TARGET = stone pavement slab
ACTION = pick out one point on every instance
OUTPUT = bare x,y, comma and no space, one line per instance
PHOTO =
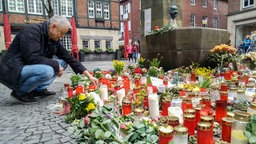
37,123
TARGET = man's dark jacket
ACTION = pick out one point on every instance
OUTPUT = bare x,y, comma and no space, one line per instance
32,46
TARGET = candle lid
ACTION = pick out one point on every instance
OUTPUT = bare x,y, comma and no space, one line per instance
206,119
200,105
233,88
191,94
197,108
227,120
203,126
173,118
253,105
242,116
165,130
206,98
224,84
180,130
126,101
189,116
230,114
138,111
240,91
186,100
189,111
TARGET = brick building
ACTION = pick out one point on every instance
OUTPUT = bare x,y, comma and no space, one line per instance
241,19
97,21
130,11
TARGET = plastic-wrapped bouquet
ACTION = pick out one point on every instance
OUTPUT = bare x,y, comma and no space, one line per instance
249,59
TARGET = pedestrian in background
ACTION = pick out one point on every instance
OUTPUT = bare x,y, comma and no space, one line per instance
247,43
28,68
135,51
129,50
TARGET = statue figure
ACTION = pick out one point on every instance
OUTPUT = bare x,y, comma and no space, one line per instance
173,11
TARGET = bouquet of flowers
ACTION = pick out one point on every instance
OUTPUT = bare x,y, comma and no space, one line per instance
141,62
118,66
81,105
221,54
249,59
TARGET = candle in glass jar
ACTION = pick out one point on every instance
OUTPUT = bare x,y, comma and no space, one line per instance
207,119
190,123
165,134
226,128
224,87
153,105
145,101
207,101
190,111
120,95
220,110
224,95
70,92
173,121
126,106
165,104
138,113
103,92
204,133
180,135
186,104
197,109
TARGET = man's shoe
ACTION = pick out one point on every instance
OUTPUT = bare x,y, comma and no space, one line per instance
42,93
26,98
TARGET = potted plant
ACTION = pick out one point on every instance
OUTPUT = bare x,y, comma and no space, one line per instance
98,50
109,50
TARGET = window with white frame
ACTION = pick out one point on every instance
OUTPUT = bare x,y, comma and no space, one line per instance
126,9
215,22
97,44
215,4
193,20
98,9
66,7
248,3
106,10
1,6
66,42
91,9
16,6
55,6
35,7
108,44
192,2
204,2
85,44
204,21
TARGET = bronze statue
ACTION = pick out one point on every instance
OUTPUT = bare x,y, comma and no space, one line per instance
173,11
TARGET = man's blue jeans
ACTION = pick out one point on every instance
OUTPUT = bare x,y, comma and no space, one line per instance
37,77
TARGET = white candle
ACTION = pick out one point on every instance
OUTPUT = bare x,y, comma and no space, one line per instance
120,95
153,105
176,111
103,92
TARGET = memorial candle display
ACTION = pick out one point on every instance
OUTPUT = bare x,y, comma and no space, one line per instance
120,95
220,110
204,133
190,123
226,128
103,92
126,106
165,104
153,105
165,134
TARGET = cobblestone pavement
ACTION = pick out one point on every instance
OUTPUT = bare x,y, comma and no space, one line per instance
37,123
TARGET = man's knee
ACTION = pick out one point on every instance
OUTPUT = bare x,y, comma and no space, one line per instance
47,74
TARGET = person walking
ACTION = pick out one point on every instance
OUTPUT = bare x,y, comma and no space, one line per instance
28,68
129,51
135,51
247,43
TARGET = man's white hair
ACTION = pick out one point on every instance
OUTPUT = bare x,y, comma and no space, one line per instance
60,20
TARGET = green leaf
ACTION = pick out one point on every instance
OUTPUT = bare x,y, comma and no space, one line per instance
133,137
107,134
252,140
247,134
99,133
128,136
99,142
138,125
71,130
82,125
154,138
107,121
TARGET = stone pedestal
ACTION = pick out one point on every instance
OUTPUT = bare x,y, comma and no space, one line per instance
182,46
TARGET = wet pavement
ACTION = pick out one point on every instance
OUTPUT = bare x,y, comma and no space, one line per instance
37,123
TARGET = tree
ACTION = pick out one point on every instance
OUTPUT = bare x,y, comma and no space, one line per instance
48,6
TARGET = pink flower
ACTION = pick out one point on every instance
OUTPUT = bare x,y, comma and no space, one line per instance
87,119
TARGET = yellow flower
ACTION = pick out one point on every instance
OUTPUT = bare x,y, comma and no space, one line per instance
82,96
91,106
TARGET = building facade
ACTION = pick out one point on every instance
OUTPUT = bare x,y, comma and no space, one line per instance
97,21
130,12
241,19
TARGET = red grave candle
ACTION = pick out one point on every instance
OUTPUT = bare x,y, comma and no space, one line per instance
165,134
165,104
190,123
204,133
126,106
220,110
226,129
